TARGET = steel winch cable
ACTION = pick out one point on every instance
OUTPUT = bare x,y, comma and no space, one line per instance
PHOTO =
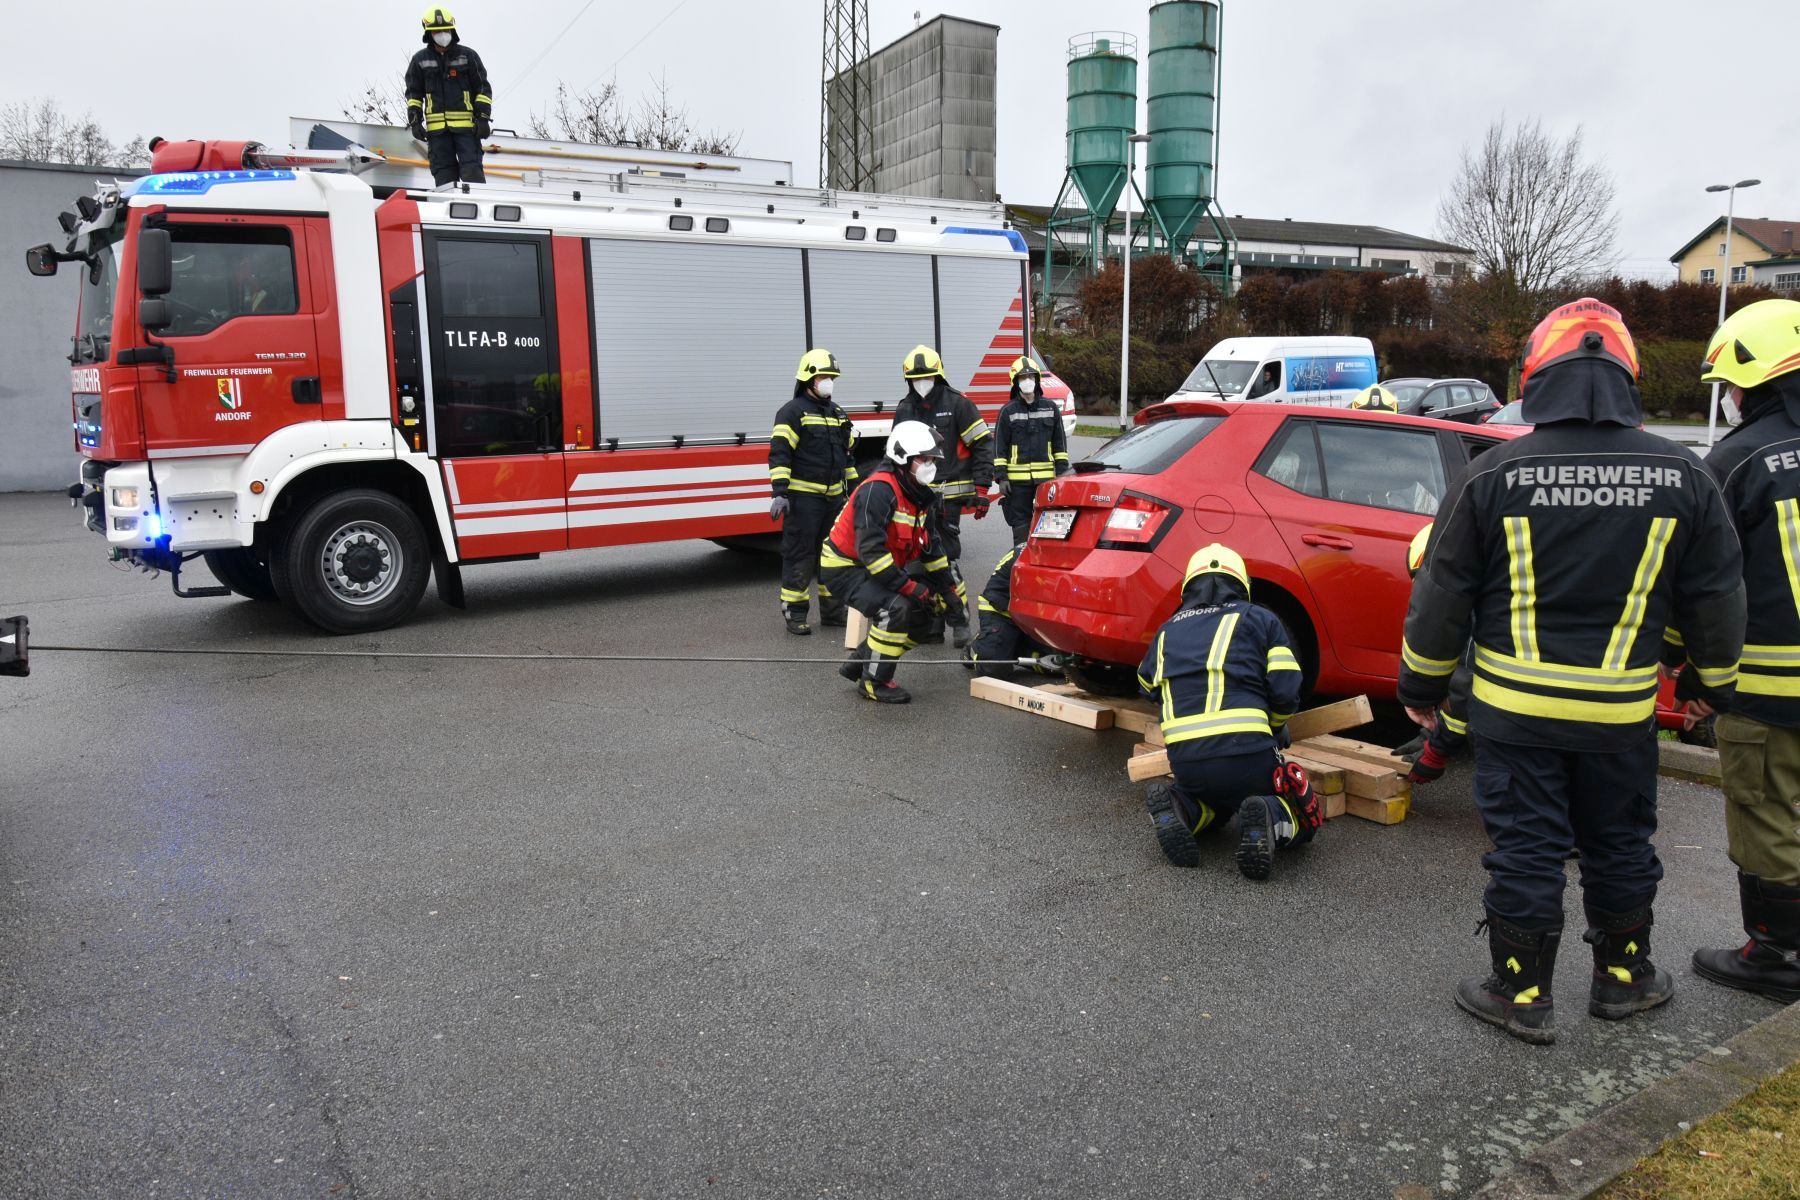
220,651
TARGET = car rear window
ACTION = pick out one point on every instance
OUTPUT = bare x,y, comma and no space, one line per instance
1149,449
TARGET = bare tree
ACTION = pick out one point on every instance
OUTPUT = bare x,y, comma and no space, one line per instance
377,104
39,131
662,124
1532,208
598,117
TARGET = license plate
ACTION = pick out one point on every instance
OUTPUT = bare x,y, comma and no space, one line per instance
1055,524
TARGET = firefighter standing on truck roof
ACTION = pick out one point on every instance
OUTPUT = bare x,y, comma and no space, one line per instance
890,525
1756,353
1228,682
1029,446
1565,554
968,468
449,102
810,470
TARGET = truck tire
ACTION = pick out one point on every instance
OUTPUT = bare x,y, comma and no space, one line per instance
352,562
242,571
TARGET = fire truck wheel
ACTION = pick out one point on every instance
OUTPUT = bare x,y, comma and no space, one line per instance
353,562
243,572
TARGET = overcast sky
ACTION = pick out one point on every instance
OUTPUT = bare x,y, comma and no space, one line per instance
1333,110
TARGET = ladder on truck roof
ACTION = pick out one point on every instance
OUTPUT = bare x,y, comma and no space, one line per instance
540,169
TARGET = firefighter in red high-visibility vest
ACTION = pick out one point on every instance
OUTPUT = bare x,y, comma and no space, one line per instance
885,558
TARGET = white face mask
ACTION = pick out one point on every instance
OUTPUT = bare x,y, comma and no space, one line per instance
922,387
1729,406
926,471
1028,386
822,387
442,39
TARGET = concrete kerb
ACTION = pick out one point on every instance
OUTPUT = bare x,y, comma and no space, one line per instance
1589,1156
1697,764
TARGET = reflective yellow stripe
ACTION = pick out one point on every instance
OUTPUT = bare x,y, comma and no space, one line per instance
1215,663
912,521
1603,712
790,596
1624,634
807,419
786,433
975,432
1424,666
1528,996
1452,724
1770,656
781,472
816,489
1672,636
982,605
1717,677
829,558
1162,680
1524,587
1788,514
1282,659
487,100
1755,683
1216,724
1278,719
939,563
415,103
881,564
1564,675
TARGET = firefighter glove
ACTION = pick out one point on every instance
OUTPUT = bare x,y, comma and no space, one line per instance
978,507
484,128
1063,467
417,128
1003,485
778,509
915,591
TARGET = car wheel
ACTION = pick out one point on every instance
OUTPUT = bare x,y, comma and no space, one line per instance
1101,678
353,562
242,571
1702,734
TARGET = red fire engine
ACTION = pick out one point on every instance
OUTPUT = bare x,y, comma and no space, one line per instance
331,381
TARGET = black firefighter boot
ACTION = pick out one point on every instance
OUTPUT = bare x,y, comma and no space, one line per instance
1769,963
1516,996
852,668
1626,982
1172,832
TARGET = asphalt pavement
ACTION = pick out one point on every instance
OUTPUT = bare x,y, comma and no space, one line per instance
388,928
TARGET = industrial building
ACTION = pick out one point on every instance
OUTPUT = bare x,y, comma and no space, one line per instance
927,116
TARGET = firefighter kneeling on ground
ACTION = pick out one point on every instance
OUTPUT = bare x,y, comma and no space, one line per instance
1432,750
810,469
888,531
1756,353
1030,446
1565,554
1228,682
1002,644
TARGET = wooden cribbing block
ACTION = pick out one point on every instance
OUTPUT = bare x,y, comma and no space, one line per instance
1333,803
1388,811
1044,704
1142,717
1361,778
1329,718
856,631
1344,714
1377,755
1326,779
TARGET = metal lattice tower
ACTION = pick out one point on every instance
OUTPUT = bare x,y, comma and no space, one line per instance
846,138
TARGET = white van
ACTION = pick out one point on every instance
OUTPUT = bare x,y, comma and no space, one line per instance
1327,371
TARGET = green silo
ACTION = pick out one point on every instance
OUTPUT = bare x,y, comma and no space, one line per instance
1183,108
1102,115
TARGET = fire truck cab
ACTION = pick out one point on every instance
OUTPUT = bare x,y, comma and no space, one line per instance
330,380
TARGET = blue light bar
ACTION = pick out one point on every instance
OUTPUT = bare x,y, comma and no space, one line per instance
198,183
1012,235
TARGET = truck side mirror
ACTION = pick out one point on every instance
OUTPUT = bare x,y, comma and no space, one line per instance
42,260
155,262
155,314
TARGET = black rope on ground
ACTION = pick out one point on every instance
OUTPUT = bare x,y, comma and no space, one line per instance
40,647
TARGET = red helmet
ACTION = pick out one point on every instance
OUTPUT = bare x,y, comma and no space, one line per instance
1584,328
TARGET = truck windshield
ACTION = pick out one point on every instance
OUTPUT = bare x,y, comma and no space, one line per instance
99,286
1232,374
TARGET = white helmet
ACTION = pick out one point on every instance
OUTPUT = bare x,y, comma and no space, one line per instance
909,440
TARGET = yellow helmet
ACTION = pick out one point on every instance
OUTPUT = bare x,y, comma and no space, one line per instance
922,362
1024,366
815,363
1757,343
1377,399
438,20
1415,553
1217,559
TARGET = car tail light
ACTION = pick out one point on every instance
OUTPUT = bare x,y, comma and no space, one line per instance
1135,523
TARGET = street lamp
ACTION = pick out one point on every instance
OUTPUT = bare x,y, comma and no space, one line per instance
1125,331
1712,420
